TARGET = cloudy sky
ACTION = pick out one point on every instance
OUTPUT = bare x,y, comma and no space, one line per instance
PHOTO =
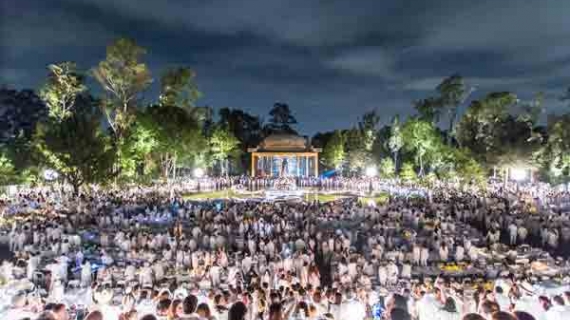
330,60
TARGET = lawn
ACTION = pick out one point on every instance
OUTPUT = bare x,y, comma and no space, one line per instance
218,194
308,196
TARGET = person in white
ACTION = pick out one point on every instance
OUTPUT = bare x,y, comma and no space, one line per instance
513,232
559,310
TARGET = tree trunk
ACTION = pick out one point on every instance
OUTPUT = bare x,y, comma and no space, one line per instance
174,167
421,166
452,116
396,162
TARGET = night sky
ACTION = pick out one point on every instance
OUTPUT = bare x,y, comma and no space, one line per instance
329,60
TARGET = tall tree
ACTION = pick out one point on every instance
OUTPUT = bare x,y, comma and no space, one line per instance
20,111
176,133
368,125
178,88
428,109
356,155
396,141
420,137
123,77
453,93
62,88
245,127
77,147
554,155
222,144
281,119
481,129
333,153
8,174
387,169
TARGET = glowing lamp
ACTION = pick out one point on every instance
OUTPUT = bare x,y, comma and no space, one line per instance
50,174
198,173
518,174
371,171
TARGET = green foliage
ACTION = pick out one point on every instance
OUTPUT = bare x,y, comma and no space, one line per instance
178,88
452,93
8,174
62,88
76,147
387,168
367,128
421,138
333,152
428,109
554,155
356,154
408,174
281,120
482,128
123,78
396,140
223,144
171,134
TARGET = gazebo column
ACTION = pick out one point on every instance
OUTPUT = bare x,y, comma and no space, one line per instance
316,165
253,164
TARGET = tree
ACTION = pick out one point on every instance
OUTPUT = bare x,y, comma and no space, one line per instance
428,109
8,174
419,137
387,169
222,145
554,155
408,174
20,112
245,127
177,88
123,77
281,119
482,127
356,155
333,153
396,141
77,147
62,88
367,128
452,93
175,133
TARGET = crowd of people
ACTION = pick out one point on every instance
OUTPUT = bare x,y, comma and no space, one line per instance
146,253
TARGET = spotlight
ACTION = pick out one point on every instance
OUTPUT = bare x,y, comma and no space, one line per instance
371,171
518,174
198,173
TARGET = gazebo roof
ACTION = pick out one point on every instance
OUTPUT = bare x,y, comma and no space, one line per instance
284,142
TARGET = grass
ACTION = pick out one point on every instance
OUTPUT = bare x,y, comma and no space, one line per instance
378,199
218,194
228,194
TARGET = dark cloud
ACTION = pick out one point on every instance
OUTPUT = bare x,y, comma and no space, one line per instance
330,60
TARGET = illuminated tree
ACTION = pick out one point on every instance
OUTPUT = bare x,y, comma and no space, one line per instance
62,88
420,138
178,88
222,144
453,93
123,78
395,142
333,152
387,168
76,147
408,174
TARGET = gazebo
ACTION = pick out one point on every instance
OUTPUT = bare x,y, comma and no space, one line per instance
284,155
